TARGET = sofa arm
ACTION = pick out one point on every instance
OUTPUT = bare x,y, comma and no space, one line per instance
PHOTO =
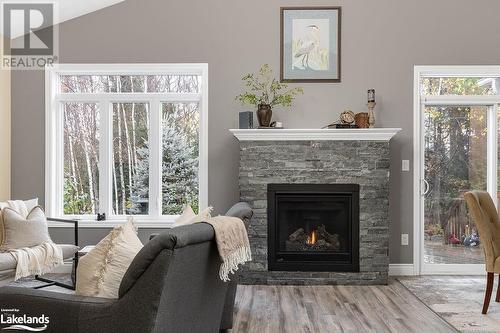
241,210
63,310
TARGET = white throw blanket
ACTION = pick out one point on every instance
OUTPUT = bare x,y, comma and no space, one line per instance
232,242
37,260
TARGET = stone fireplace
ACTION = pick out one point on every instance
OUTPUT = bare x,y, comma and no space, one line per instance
314,178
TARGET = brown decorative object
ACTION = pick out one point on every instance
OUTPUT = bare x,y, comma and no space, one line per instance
264,115
361,120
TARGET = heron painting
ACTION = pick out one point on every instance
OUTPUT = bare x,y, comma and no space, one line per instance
310,44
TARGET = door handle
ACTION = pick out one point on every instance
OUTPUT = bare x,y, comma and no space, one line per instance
426,187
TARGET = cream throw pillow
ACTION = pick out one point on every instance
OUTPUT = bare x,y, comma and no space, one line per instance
23,207
100,271
21,232
189,217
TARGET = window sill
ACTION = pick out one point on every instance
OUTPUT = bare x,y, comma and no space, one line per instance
141,224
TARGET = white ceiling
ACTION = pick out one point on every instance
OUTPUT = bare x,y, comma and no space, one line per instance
66,10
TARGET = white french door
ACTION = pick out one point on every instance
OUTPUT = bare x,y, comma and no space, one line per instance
456,150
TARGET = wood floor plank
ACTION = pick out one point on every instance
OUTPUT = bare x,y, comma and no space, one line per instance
308,309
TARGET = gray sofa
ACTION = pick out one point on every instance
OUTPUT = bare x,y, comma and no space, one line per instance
172,285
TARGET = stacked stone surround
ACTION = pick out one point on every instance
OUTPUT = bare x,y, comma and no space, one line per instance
318,162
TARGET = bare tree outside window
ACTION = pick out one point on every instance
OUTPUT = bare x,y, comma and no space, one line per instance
81,158
130,152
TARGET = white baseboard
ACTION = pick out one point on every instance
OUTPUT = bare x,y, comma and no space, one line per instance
401,269
454,269
437,269
394,270
64,268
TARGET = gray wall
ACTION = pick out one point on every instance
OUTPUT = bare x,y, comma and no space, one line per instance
381,42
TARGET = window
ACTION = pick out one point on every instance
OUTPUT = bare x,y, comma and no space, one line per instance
126,140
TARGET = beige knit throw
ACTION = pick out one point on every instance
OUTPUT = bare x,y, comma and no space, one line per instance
37,260
232,242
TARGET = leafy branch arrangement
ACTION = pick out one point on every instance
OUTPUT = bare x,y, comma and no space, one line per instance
263,88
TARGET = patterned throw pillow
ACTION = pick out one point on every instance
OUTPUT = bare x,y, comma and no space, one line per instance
100,271
19,231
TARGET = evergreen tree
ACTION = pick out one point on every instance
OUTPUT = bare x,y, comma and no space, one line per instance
179,172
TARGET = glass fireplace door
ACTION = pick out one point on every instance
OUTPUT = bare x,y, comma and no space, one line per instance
317,224
313,227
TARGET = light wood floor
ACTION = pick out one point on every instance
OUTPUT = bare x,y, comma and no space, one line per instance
392,308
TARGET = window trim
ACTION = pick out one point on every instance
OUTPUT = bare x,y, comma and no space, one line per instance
54,154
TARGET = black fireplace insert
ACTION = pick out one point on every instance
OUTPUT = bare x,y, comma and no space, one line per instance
313,227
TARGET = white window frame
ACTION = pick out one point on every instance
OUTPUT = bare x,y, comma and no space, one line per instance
419,103
54,154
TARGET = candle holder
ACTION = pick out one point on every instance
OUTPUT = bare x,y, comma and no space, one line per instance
371,107
371,115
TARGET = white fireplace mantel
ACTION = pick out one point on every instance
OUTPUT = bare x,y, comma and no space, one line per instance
356,134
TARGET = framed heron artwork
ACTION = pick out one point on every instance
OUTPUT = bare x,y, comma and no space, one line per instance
310,44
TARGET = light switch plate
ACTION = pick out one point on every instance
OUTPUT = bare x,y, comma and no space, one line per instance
404,239
405,165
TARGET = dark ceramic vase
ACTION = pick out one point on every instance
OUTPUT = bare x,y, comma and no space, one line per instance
264,115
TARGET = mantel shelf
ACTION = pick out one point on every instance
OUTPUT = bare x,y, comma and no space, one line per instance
301,134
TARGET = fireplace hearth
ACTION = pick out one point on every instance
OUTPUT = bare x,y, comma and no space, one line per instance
313,227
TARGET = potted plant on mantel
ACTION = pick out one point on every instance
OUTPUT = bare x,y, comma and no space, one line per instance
265,92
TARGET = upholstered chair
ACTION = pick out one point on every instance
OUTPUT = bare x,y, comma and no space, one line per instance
485,215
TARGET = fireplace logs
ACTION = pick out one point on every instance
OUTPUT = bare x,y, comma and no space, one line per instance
317,240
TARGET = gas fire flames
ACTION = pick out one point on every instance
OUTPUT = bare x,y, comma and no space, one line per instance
311,238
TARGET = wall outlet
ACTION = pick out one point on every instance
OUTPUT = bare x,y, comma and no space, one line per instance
405,165
404,239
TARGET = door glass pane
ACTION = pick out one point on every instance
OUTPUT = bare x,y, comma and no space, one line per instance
130,159
180,126
81,158
455,162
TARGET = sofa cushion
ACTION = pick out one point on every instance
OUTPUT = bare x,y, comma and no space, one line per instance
7,261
